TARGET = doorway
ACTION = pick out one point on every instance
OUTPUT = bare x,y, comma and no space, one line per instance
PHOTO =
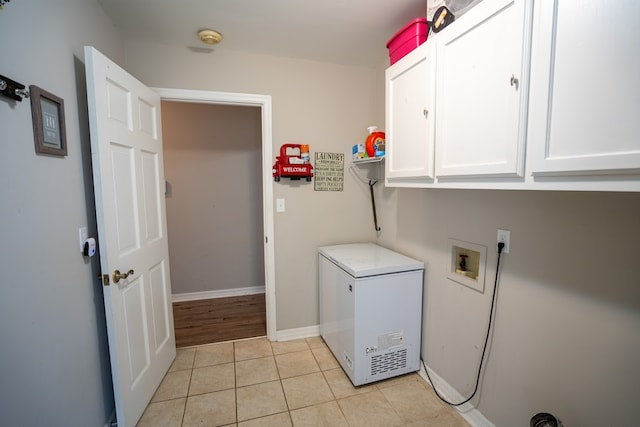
262,180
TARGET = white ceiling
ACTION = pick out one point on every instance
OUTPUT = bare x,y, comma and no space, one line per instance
352,32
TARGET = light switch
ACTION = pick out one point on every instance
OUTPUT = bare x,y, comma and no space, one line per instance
279,205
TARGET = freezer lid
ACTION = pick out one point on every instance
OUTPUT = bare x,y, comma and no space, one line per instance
368,259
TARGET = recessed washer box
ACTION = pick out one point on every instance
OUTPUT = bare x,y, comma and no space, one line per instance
467,263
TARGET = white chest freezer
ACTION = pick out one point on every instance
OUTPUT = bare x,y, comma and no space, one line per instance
371,310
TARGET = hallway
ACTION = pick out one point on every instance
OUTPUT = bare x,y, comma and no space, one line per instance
215,320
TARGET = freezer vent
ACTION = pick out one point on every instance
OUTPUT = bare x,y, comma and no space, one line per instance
393,361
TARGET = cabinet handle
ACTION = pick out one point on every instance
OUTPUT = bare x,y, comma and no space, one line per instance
513,81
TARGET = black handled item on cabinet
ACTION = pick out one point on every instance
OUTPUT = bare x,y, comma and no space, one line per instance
441,18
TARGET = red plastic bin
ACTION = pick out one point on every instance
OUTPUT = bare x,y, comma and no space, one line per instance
408,38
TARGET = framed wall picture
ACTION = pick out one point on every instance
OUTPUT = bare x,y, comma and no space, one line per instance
47,111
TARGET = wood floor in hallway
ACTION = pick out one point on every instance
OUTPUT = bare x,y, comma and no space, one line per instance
219,319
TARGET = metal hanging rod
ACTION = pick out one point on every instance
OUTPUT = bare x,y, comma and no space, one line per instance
373,205
371,183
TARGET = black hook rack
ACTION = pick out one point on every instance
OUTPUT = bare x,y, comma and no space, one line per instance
12,89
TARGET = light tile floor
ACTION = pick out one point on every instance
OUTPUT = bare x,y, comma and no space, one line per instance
295,383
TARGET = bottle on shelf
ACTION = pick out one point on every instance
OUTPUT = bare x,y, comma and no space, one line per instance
375,145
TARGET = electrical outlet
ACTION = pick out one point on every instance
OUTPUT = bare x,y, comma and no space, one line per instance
504,236
280,205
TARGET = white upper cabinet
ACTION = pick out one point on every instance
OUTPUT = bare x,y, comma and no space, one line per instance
481,103
410,113
585,88
536,95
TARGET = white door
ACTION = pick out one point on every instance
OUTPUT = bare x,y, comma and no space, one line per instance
126,151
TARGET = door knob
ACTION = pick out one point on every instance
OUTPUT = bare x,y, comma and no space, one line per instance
117,275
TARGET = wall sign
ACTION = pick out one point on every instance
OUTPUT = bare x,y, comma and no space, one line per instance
329,172
47,111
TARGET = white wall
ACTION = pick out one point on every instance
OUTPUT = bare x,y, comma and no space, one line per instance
54,363
324,105
567,324
213,166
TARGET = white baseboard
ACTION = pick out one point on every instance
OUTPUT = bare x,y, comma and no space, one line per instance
294,334
468,411
194,296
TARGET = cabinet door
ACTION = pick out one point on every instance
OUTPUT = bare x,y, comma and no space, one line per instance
481,91
410,102
585,87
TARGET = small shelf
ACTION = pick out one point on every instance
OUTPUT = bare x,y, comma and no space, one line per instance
368,160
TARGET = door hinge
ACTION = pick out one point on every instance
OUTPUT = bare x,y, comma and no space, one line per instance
104,279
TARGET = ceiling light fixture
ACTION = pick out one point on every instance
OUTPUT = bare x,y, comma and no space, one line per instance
209,36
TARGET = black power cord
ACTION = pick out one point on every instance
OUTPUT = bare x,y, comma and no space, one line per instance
486,340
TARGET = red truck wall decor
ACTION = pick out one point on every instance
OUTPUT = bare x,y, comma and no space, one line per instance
294,166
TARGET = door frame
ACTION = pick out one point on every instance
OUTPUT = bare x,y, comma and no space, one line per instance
264,102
